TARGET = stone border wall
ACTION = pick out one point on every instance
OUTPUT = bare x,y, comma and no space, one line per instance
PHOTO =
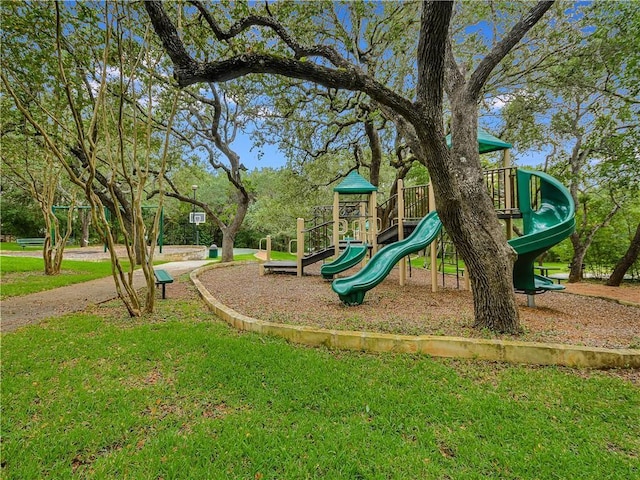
437,346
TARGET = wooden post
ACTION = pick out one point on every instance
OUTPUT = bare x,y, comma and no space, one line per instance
336,224
268,248
434,246
299,245
362,222
373,227
506,163
403,261
261,271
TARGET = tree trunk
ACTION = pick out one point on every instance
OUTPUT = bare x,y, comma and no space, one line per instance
85,219
626,261
376,152
468,216
579,252
139,254
230,231
228,240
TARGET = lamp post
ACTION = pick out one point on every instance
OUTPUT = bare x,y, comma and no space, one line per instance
195,225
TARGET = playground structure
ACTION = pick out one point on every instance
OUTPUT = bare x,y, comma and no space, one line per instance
544,205
352,223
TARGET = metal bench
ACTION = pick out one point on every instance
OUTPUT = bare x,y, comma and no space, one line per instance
25,242
162,278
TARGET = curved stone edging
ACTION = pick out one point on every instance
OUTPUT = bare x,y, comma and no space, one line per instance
437,346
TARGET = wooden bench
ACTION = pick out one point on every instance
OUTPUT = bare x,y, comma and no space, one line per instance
24,242
162,278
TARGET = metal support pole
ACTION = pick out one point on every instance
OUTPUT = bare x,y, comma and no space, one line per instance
268,248
531,301
336,224
506,163
434,251
373,228
195,225
403,261
300,245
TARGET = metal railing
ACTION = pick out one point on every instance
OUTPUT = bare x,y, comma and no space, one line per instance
502,186
388,212
416,202
318,237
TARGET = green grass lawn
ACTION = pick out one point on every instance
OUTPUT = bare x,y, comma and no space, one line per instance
180,395
24,275
245,257
14,247
282,256
274,256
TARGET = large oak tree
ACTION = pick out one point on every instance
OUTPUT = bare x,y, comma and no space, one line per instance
463,204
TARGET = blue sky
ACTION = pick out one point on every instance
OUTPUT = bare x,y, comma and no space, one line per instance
250,156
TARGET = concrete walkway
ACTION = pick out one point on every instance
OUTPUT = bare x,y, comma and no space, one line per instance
29,309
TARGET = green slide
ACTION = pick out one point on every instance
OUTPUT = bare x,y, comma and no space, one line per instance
351,290
552,222
352,255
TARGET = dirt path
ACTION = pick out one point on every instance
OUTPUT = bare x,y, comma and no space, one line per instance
16,312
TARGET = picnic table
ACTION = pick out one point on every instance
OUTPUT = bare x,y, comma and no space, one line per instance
544,271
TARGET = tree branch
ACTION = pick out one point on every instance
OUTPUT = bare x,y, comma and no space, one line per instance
519,30
346,76
453,75
256,20
168,34
434,31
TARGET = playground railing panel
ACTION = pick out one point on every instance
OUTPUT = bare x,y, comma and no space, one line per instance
416,201
502,186
318,237
388,212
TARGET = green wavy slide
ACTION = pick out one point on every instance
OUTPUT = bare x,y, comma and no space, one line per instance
544,227
350,257
351,290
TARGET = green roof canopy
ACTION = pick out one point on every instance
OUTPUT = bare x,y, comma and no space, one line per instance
486,142
355,183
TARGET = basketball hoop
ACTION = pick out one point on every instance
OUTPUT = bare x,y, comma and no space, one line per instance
197,217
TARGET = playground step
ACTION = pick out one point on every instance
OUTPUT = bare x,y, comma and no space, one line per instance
317,256
284,266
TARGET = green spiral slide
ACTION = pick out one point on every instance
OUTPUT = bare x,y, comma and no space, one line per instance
351,290
350,257
552,222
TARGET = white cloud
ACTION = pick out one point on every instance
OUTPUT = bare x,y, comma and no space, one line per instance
498,102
